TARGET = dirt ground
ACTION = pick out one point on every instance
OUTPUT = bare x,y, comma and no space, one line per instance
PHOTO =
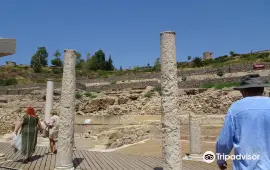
153,147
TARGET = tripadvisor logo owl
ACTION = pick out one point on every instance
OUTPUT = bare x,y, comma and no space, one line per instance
209,157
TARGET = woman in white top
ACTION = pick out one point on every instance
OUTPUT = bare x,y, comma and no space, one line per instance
53,131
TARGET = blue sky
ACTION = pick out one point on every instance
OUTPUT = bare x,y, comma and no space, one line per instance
129,30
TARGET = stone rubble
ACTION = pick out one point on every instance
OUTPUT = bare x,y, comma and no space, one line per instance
127,102
119,136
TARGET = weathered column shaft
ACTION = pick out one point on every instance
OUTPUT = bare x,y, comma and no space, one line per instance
194,135
49,101
64,158
169,102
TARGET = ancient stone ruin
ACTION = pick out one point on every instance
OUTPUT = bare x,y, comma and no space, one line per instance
64,159
207,55
170,106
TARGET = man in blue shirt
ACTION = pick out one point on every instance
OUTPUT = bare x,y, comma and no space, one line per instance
247,128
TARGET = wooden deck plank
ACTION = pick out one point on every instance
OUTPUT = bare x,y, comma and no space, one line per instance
36,157
156,162
137,164
119,162
153,163
33,159
81,159
16,160
146,161
96,163
75,161
11,157
44,160
32,162
41,153
20,165
155,159
113,162
201,165
130,162
103,160
9,153
48,162
90,162
53,161
5,148
125,161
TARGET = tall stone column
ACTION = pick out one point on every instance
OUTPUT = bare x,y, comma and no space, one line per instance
49,100
64,159
195,136
169,103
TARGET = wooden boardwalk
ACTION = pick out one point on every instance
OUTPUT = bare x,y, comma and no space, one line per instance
91,160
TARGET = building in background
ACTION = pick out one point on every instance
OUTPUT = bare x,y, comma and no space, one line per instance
7,46
207,55
10,63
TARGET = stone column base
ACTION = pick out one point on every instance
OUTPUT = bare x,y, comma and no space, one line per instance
194,157
64,168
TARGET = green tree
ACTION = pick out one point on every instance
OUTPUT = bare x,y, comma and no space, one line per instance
157,65
121,69
232,53
57,54
189,58
57,61
91,63
79,60
88,56
98,62
197,62
109,64
100,59
39,59
78,57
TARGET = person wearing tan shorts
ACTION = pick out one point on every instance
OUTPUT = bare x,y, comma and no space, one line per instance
53,131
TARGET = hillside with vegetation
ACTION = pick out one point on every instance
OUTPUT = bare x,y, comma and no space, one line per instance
97,67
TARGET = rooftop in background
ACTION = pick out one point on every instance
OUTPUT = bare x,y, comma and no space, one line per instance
7,46
263,51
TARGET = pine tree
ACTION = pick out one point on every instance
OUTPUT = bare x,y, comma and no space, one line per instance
39,59
110,64
57,61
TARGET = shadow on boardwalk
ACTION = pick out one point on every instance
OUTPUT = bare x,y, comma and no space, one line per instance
33,158
77,162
